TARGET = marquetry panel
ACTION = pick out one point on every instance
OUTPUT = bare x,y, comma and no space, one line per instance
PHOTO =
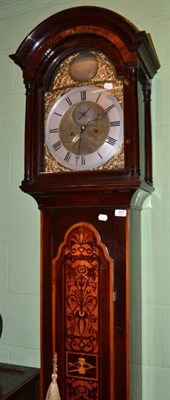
84,261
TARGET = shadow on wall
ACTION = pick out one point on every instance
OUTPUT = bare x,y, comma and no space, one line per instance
1,325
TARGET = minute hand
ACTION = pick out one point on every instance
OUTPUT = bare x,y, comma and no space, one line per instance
80,139
98,118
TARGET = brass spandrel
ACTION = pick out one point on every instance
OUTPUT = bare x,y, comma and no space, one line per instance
62,82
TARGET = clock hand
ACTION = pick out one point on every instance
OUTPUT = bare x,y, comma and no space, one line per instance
78,136
83,128
99,118
80,139
82,114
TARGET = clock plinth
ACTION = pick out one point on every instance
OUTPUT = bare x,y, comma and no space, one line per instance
88,89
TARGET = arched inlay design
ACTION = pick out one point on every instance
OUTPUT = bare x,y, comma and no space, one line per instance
87,282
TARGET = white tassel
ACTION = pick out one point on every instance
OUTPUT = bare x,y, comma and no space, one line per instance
53,390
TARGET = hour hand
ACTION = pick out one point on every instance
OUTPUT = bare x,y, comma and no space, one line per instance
79,135
76,138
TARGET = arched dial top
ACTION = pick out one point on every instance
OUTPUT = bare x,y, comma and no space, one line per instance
84,128
86,46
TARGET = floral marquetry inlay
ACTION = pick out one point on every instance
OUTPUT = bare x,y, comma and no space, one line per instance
83,259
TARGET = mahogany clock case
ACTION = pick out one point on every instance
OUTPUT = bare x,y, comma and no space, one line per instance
135,63
71,230
85,212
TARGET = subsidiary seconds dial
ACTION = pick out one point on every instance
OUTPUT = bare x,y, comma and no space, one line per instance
84,128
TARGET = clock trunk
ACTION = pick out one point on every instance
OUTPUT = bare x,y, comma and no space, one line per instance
86,270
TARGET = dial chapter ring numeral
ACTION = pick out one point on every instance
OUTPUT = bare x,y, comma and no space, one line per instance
64,106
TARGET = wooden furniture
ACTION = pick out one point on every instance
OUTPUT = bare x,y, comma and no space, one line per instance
67,60
18,383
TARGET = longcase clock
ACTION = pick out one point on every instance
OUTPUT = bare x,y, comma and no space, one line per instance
88,148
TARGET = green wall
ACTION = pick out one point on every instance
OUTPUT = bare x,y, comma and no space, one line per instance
19,217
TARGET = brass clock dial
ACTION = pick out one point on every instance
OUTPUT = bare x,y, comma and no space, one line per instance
84,128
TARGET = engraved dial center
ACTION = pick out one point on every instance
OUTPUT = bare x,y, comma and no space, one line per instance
84,128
